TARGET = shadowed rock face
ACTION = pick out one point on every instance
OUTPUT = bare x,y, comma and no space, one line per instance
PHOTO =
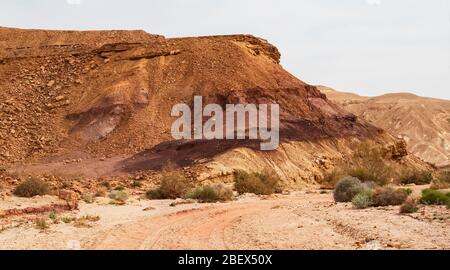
110,93
424,123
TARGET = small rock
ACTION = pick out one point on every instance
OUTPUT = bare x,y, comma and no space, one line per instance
51,83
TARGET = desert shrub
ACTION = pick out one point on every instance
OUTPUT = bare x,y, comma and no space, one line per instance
363,200
136,184
435,197
415,177
370,185
258,183
41,224
118,195
173,185
88,197
407,191
347,188
67,220
388,196
32,187
154,194
207,194
85,221
409,206
120,188
53,216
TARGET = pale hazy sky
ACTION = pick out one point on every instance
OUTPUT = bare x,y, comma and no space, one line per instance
366,46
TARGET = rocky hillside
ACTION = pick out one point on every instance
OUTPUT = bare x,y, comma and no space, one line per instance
98,104
424,123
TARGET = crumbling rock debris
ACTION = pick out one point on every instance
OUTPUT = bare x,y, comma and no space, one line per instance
57,208
110,93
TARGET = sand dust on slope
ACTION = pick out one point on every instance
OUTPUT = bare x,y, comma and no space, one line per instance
297,221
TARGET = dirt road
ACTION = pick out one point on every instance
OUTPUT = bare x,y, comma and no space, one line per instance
298,221
304,221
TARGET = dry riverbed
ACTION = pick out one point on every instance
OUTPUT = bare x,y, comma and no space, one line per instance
301,220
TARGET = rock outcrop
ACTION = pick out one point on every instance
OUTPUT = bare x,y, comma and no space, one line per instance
423,123
109,94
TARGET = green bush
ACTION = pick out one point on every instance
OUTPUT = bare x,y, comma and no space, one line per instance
362,200
257,183
173,185
409,206
434,197
416,177
118,195
407,191
388,196
32,187
208,194
347,188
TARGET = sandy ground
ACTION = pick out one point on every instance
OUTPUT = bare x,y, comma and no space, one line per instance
302,220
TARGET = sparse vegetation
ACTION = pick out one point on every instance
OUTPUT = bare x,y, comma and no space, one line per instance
32,187
154,194
407,191
119,196
120,188
415,177
365,175
88,197
173,185
387,196
363,200
347,188
67,220
53,216
41,224
367,164
435,197
409,206
85,221
371,165
136,184
258,183
208,194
